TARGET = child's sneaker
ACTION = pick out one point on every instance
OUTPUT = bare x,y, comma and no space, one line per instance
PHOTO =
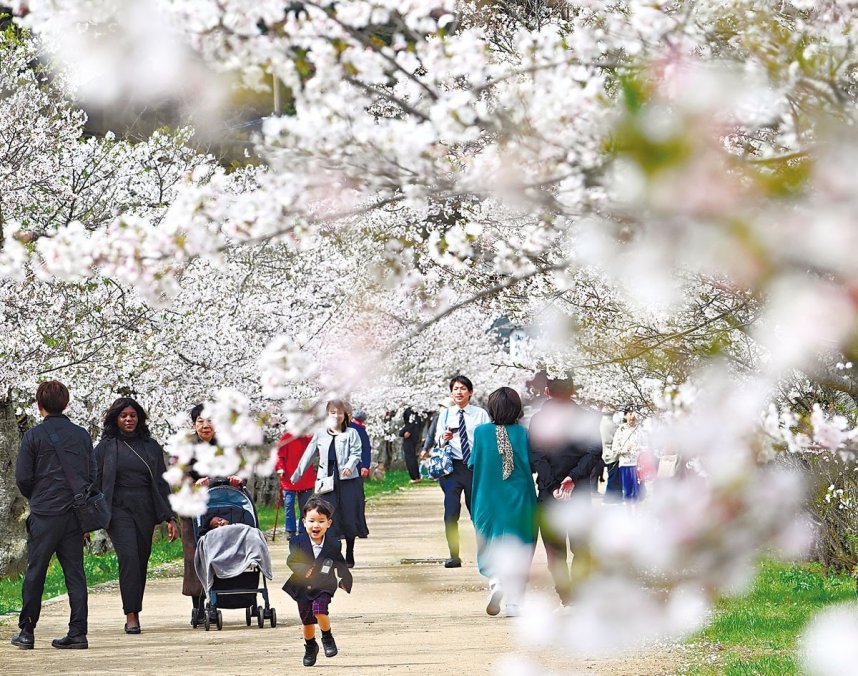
329,645
311,651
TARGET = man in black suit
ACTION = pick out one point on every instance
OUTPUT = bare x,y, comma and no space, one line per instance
566,454
52,527
315,561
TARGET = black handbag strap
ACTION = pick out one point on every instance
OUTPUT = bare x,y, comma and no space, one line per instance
79,495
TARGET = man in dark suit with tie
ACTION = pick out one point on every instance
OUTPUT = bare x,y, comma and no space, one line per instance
456,427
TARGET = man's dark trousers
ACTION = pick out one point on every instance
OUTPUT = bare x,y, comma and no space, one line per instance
459,481
47,535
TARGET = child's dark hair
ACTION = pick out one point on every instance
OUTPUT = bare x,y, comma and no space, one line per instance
323,507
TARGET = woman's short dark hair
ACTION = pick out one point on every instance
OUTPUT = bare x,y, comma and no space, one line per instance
111,427
323,507
52,396
464,380
504,406
196,412
343,406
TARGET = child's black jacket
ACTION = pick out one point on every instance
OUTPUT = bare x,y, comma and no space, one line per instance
308,580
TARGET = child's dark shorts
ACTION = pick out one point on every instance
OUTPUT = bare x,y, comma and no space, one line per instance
308,609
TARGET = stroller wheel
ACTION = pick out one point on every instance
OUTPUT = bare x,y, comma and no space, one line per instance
219,620
273,618
260,617
206,620
248,615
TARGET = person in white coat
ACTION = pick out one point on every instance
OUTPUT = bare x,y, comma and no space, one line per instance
626,447
339,449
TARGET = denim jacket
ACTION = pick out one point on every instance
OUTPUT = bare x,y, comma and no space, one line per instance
348,449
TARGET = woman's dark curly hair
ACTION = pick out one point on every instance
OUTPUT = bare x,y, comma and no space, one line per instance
111,428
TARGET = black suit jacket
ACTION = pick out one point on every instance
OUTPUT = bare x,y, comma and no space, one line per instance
106,457
308,580
578,458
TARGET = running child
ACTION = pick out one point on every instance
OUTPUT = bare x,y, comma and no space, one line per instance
315,562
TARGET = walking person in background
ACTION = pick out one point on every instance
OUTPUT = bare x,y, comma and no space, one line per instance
627,446
386,444
289,452
456,428
53,454
607,430
339,451
565,451
410,433
358,424
131,476
503,501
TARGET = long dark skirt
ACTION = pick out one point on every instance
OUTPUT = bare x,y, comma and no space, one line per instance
348,501
190,582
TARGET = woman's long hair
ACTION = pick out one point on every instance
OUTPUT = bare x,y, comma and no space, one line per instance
111,427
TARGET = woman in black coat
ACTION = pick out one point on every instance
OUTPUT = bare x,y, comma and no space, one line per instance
130,474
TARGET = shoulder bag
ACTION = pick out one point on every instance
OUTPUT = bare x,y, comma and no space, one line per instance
441,457
89,504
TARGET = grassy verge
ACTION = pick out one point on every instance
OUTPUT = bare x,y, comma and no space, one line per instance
105,568
757,633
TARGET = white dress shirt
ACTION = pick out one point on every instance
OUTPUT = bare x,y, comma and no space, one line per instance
317,548
474,416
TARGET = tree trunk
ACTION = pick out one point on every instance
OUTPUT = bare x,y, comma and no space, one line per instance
13,506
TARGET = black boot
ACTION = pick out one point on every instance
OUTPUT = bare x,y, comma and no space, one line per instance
24,639
311,651
71,642
350,552
329,644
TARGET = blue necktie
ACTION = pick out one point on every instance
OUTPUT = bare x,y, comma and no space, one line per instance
463,437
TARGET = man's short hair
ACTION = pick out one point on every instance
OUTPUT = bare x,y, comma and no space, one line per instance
464,380
561,387
323,507
52,396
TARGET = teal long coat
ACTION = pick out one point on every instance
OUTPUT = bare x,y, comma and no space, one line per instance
502,508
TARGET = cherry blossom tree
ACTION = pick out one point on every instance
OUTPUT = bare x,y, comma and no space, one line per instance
661,191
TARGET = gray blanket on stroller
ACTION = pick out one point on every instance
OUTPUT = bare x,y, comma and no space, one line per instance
230,550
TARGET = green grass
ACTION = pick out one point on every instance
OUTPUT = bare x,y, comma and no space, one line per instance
105,568
756,634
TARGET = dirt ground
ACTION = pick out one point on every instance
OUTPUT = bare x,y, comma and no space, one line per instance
406,615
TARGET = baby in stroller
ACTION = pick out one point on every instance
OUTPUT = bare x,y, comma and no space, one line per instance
231,553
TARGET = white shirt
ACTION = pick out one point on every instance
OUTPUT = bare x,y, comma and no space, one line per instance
317,548
474,416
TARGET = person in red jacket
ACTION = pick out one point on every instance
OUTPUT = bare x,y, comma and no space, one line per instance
289,453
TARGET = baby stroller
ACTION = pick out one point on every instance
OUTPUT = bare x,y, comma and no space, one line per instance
236,506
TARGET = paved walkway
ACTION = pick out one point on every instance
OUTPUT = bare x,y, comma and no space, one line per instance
401,618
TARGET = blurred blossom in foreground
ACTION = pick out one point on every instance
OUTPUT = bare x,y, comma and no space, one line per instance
828,646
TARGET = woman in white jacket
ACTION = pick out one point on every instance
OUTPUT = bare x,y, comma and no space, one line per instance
338,447
626,447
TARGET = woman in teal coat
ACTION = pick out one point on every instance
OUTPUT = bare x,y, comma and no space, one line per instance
503,501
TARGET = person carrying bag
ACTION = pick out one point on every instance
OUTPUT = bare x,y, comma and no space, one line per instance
55,470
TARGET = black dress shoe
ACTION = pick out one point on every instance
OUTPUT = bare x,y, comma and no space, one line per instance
132,630
24,639
71,643
311,651
453,563
329,645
